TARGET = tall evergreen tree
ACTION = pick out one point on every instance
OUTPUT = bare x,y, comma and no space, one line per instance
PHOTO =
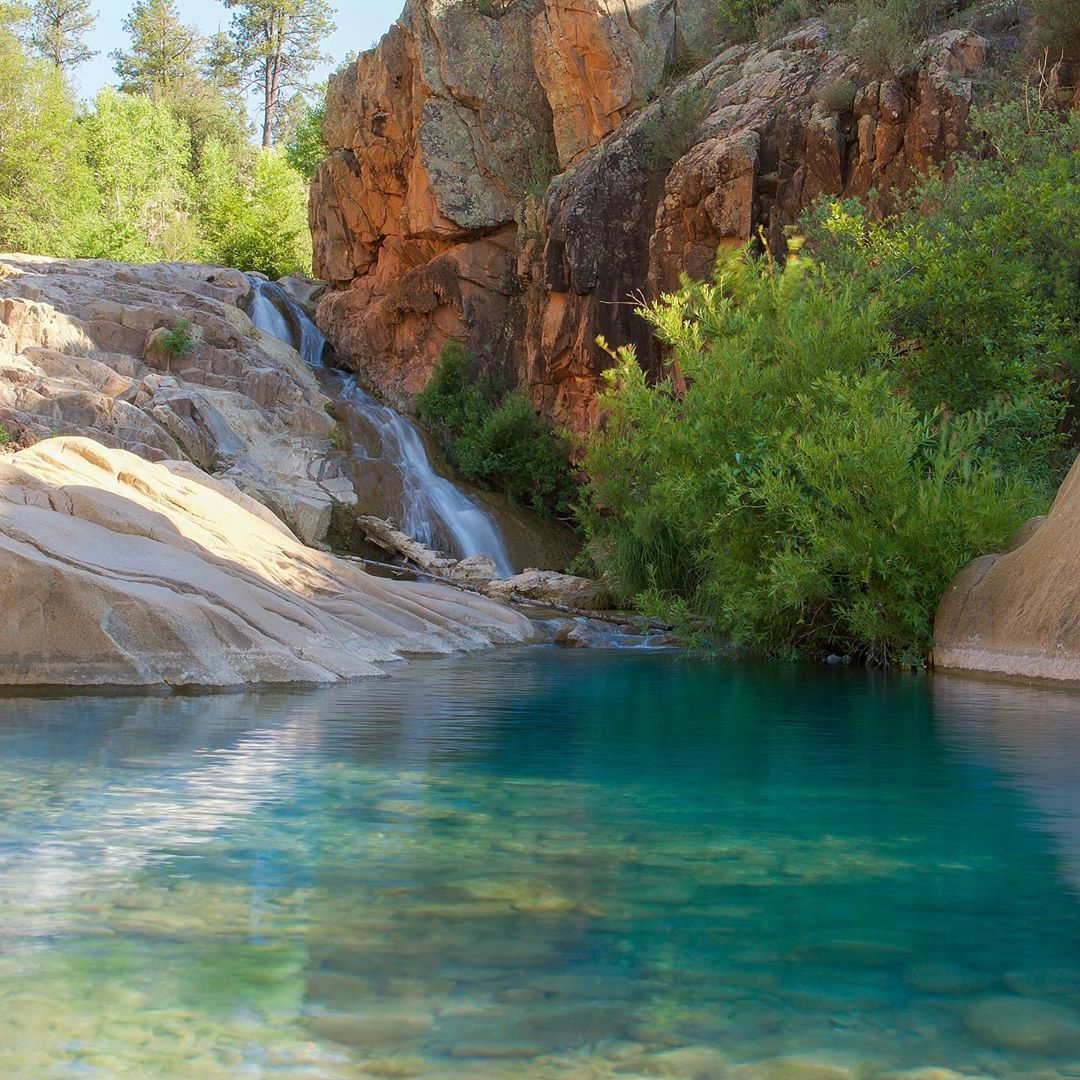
164,55
58,30
275,48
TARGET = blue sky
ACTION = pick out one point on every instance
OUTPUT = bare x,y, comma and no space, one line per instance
360,23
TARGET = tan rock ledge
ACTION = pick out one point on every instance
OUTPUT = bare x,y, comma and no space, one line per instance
115,571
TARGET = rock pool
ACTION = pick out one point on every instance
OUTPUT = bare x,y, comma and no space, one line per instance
545,863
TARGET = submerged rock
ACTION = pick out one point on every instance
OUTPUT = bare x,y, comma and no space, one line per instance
118,571
1027,1024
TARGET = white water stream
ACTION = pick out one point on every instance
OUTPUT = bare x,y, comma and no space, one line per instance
431,505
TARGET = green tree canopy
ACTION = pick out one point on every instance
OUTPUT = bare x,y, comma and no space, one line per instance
58,30
276,45
164,56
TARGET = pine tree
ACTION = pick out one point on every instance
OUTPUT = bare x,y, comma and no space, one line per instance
164,55
58,30
275,47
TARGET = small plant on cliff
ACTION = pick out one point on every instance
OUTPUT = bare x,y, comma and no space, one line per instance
178,340
541,167
5,436
493,439
673,127
838,96
790,495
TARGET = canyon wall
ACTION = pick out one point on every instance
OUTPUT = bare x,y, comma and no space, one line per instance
514,174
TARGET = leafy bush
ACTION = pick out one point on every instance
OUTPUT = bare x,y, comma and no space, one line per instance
791,495
495,440
1058,28
672,128
178,341
838,96
5,436
982,278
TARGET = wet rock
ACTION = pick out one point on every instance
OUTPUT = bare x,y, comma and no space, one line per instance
369,1030
475,570
946,979
790,1068
1026,1024
691,1062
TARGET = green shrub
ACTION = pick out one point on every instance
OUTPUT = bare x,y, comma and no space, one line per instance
178,340
496,440
838,96
5,436
1057,28
672,128
791,496
982,279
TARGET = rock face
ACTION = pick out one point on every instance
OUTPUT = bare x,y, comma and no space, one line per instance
83,351
433,217
1019,613
119,571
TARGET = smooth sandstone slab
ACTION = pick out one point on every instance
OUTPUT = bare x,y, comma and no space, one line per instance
1018,614
118,571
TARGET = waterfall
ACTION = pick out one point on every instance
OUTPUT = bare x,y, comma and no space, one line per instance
433,508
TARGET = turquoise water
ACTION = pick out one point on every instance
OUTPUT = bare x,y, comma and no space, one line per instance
544,863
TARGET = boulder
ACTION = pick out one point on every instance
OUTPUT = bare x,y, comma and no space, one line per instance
1016,613
83,352
118,571
551,587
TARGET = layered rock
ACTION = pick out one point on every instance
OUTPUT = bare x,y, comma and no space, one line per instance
115,570
431,219
1018,613
84,351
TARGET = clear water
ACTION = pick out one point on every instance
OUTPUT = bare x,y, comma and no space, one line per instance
544,863
433,509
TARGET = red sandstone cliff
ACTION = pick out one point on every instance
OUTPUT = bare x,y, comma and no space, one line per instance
430,217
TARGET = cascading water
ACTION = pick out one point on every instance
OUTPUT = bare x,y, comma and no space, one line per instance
433,508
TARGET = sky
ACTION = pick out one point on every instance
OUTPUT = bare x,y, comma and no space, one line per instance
360,23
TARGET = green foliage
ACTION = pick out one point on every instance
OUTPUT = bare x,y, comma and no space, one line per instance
58,30
275,47
792,495
265,227
138,153
1057,28
338,440
301,133
46,191
178,341
982,277
671,129
495,440
164,55
542,166
5,436
838,96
